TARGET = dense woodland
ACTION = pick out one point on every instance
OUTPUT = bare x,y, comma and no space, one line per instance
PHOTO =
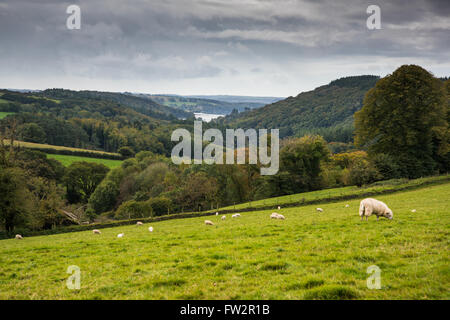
401,131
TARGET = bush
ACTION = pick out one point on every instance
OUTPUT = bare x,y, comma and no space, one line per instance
104,197
363,172
133,210
160,205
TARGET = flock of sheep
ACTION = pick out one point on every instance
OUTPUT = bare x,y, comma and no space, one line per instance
367,208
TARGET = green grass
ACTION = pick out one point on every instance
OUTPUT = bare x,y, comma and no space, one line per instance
41,146
4,114
67,160
309,255
322,195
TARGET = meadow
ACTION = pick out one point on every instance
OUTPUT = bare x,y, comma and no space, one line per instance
337,193
309,255
41,146
67,160
4,114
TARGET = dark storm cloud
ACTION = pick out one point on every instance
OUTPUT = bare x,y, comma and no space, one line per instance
215,46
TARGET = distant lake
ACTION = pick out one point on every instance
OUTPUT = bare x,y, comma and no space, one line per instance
207,116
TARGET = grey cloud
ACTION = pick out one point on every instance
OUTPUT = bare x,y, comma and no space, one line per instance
215,45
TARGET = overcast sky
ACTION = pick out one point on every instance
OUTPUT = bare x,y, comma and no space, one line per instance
239,47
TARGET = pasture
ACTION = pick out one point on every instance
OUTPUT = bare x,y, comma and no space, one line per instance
4,114
67,160
309,255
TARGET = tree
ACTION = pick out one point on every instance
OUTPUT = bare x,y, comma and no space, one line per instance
81,179
14,200
399,116
302,158
32,132
126,152
104,197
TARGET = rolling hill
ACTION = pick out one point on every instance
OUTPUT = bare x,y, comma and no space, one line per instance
327,110
206,105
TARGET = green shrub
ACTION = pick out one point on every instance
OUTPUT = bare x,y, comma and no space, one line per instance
160,205
134,209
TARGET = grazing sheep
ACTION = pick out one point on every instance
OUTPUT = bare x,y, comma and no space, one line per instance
347,205
209,223
19,237
139,223
217,213
237,215
279,208
319,209
371,206
276,216
413,210
150,229
95,231
224,217
120,235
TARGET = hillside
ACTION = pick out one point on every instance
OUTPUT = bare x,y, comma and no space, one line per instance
309,255
327,110
90,120
202,105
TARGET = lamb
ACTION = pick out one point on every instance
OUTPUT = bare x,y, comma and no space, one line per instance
209,223
95,231
224,217
139,223
237,215
120,235
319,209
371,206
19,237
150,229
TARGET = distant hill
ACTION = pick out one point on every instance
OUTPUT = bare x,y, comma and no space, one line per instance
203,105
328,110
239,99
91,120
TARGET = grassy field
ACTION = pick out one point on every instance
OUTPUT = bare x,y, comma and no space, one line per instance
40,146
4,114
309,255
321,195
68,160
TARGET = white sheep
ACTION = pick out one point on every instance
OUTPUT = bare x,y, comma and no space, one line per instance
347,205
371,206
413,210
224,217
217,213
276,216
139,223
279,208
95,231
120,235
150,229
236,215
209,223
319,209
19,237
